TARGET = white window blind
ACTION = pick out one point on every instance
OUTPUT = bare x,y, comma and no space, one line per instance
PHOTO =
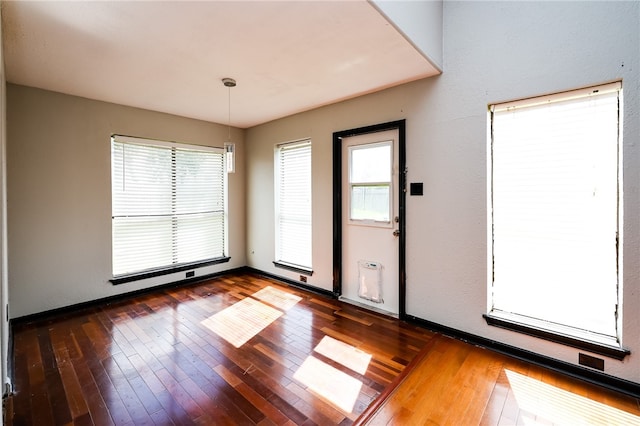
167,204
555,207
293,203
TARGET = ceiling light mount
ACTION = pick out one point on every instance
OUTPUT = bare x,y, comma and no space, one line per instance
229,82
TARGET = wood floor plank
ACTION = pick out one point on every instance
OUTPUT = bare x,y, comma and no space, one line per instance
495,405
262,404
129,398
180,395
20,408
476,385
72,388
174,409
353,317
316,408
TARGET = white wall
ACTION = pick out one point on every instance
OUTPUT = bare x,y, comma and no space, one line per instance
493,51
420,22
59,194
4,281
318,126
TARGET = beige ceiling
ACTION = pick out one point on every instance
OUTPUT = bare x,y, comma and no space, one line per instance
170,56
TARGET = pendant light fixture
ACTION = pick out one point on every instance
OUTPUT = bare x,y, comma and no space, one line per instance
229,147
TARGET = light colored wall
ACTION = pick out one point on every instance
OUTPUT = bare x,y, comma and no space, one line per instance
59,194
318,125
419,21
4,281
493,51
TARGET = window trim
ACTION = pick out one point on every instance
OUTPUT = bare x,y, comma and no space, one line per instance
157,272
512,324
279,262
609,346
294,268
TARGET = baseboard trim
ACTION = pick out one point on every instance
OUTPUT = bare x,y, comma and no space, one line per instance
53,313
292,283
591,376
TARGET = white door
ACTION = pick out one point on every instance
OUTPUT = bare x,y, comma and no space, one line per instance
370,198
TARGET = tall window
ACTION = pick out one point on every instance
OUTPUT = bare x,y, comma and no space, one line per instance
555,212
293,204
167,204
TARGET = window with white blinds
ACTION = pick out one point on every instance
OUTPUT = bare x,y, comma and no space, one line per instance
555,206
293,204
167,204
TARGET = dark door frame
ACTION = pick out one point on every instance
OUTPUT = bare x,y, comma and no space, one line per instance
400,125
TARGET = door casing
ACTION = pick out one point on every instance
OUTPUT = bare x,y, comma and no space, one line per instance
337,204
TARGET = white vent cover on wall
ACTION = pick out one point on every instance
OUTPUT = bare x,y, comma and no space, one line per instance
370,281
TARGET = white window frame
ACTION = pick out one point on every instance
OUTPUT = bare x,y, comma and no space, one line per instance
217,251
291,254
604,343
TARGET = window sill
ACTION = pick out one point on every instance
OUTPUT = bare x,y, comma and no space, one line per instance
136,276
591,342
291,267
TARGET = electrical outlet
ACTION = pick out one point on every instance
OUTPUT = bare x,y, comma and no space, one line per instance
591,361
191,274
303,279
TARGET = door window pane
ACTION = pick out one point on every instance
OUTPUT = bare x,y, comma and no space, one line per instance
370,182
370,202
371,163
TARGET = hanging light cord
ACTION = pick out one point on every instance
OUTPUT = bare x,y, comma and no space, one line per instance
229,121
229,83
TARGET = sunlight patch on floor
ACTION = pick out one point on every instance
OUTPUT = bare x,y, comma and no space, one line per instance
329,383
241,321
345,354
326,381
278,298
563,407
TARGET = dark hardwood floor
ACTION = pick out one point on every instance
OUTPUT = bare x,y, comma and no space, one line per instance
243,349
169,358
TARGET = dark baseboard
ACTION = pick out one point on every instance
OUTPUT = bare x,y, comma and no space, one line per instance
591,376
292,283
65,310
